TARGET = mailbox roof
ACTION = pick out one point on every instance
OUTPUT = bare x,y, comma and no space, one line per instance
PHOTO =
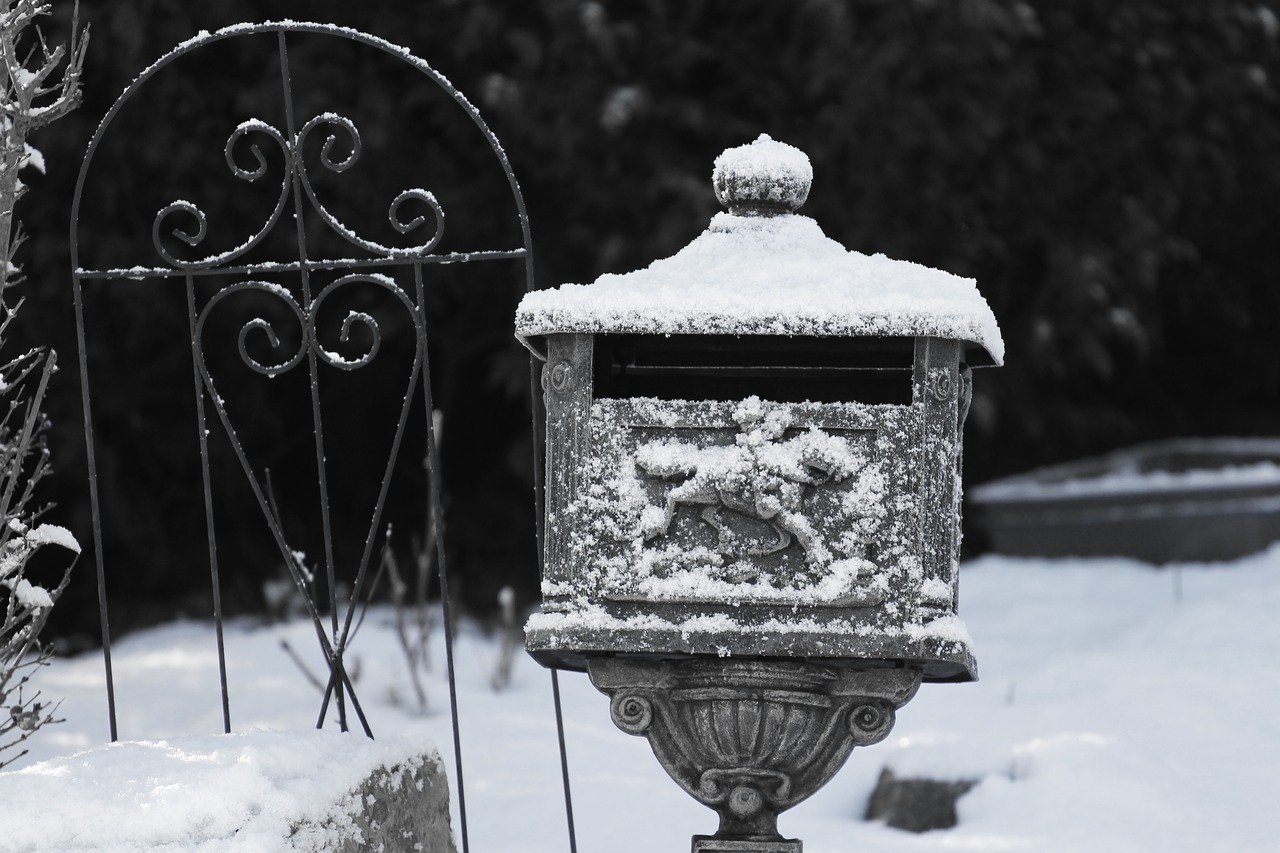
770,275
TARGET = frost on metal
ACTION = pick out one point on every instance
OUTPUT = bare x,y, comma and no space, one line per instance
765,172
751,527
753,446
301,308
744,508
760,269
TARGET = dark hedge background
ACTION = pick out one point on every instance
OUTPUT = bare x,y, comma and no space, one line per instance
1108,172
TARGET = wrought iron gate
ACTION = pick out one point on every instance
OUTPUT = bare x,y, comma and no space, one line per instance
305,310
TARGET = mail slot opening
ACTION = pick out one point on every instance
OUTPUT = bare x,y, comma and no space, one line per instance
774,367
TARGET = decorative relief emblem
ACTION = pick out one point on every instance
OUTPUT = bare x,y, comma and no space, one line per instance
775,513
557,377
940,384
763,476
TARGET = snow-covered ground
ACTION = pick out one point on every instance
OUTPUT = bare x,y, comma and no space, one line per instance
1121,708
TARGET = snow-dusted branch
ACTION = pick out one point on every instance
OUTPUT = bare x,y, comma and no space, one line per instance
24,605
38,85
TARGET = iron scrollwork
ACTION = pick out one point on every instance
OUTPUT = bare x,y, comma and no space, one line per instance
393,212
307,319
166,215
188,244
176,218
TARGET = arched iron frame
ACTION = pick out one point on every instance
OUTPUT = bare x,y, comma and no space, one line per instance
368,271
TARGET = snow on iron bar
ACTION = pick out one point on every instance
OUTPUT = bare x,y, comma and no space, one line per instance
769,275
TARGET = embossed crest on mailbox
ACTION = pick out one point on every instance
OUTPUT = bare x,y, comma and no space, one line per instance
753,452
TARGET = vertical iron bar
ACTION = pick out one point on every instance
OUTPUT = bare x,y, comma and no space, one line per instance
203,434
433,496
339,679
355,704
539,500
271,514
336,663
564,760
94,505
384,488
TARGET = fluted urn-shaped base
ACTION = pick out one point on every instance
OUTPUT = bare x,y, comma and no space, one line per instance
751,738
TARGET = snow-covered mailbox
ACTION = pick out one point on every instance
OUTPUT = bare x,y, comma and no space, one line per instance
752,499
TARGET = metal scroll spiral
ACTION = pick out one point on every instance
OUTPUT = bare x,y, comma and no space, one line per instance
348,128
188,223
257,324
354,318
306,319
181,209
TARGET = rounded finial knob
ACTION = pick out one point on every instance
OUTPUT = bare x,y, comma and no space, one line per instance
762,178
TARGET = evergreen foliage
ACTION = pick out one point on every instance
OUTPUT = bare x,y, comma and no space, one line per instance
1105,170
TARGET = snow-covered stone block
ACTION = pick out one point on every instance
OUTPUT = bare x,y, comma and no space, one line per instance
916,804
322,792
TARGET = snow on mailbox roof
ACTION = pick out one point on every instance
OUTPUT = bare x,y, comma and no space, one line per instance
760,269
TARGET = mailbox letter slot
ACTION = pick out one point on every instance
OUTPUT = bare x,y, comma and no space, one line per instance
774,367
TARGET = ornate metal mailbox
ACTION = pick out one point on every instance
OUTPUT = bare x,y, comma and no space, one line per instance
753,492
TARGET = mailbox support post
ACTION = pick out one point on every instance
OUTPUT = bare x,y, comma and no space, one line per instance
751,738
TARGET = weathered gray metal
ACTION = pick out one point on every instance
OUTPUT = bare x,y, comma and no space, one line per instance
753,494
686,515
846,549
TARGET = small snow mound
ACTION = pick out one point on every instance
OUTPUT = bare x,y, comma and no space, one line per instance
32,596
763,174
53,534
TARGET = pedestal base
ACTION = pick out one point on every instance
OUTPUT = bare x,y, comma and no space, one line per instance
751,738
711,844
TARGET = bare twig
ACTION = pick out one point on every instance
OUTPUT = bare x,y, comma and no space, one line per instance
510,640
29,101
302,665
414,651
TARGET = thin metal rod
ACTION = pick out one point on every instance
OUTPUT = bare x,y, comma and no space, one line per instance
333,645
275,267
564,760
376,519
351,691
334,661
433,487
375,523
203,437
94,506
326,522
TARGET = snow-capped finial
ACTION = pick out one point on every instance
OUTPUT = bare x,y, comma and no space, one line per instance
762,178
